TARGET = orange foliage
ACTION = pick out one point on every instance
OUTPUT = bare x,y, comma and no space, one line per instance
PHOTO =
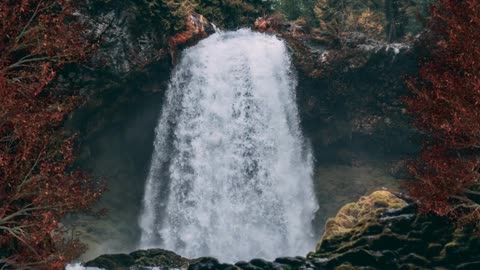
194,32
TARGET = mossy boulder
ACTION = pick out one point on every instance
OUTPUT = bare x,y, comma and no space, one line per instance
358,216
383,231
162,257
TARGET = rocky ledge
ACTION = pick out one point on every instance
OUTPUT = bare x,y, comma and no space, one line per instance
320,54
380,231
162,259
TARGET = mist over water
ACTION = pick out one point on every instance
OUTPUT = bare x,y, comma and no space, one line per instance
231,174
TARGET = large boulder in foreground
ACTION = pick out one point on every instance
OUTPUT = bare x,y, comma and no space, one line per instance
382,231
352,215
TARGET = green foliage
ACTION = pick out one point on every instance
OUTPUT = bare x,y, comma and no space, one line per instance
291,9
169,15
232,13
387,19
294,9
425,5
418,15
382,19
340,16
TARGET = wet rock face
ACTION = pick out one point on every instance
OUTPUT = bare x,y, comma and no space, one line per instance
320,54
134,57
351,99
350,92
122,47
128,44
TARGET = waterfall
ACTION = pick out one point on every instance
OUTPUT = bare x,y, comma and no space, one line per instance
231,175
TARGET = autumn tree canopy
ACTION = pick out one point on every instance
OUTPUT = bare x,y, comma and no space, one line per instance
37,184
445,106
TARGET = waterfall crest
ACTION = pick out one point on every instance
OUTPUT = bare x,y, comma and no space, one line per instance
231,175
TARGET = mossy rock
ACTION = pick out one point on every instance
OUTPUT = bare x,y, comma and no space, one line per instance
382,231
363,212
156,257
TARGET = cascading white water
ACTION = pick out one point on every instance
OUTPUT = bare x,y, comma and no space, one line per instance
230,175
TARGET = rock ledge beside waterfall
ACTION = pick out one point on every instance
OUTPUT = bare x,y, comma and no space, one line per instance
380,231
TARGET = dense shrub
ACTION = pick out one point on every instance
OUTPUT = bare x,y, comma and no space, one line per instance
168,16
295,9
390,20
37,184
446,107
233,13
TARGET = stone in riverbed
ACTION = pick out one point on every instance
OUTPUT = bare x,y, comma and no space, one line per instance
115,261
141,258
208,263
262,264
291,261
154,257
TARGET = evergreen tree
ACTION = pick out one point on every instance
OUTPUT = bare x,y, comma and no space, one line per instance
294,9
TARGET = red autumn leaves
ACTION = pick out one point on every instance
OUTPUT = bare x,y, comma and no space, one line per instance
37,184
445,106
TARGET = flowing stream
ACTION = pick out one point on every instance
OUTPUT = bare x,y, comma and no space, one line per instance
231,174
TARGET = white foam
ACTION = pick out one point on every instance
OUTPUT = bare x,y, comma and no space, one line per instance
231,175
78,266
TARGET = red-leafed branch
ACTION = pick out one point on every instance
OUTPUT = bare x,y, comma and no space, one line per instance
37,184
446,106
